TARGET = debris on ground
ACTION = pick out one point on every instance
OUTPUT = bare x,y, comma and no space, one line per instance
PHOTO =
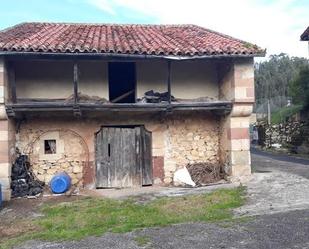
84,98
24,182
156,97
196,100
182,177
205,173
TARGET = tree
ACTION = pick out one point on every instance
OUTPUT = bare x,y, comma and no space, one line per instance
299,88
272,80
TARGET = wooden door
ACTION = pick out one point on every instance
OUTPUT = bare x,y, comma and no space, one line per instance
121,157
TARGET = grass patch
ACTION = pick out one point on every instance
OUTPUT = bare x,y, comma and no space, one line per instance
142,240
92,216
284,113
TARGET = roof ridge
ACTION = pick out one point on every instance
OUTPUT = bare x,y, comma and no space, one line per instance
108,24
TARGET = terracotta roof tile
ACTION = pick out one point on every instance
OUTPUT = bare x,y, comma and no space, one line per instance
165,40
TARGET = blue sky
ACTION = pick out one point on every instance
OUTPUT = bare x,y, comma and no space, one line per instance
272,24
16,11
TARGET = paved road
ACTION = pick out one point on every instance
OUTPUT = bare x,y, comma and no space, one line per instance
280,157
278,206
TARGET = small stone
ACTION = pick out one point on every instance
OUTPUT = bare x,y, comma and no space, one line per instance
196,138
76,169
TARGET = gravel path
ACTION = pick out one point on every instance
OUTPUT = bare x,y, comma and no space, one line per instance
276,186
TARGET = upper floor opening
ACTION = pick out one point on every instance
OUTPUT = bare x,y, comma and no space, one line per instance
115,81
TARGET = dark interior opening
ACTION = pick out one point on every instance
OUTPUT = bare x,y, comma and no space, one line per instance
122,82
50,146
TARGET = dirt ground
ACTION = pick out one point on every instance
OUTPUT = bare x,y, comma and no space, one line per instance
13,214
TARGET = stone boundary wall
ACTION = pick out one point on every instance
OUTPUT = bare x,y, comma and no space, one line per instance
280,135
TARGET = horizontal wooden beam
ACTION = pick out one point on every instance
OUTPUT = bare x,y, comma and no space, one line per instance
219,106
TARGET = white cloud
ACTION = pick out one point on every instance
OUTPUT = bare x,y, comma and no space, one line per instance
274,25
104,5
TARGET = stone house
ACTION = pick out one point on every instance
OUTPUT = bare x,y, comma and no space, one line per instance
124,105
305,35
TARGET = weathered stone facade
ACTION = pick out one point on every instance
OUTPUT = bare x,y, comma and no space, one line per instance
176,141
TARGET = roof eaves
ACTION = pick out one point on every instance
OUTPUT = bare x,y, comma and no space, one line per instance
132,56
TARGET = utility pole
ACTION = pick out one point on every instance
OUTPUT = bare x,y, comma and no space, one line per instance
268,112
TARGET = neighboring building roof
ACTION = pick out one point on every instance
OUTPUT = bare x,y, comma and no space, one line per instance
305,35
160,40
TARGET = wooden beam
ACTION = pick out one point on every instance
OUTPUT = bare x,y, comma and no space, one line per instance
12,82
115,100
83,108
75,82
169,81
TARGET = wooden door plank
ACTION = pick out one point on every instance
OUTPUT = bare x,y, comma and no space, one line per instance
127,156
114,135
137,171
101,159
147,158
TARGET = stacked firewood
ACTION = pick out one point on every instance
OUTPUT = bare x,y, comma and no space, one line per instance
24,183
205,173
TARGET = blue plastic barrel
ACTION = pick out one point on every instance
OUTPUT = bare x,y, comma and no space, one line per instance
0,195
60,183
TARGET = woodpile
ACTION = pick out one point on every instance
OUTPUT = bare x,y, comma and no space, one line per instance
205,173
24,183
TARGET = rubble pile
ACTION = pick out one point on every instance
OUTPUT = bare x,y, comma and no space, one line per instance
23,181
205,173
156,97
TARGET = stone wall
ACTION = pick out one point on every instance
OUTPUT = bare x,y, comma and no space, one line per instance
191,139
71,153
177,139
292,135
